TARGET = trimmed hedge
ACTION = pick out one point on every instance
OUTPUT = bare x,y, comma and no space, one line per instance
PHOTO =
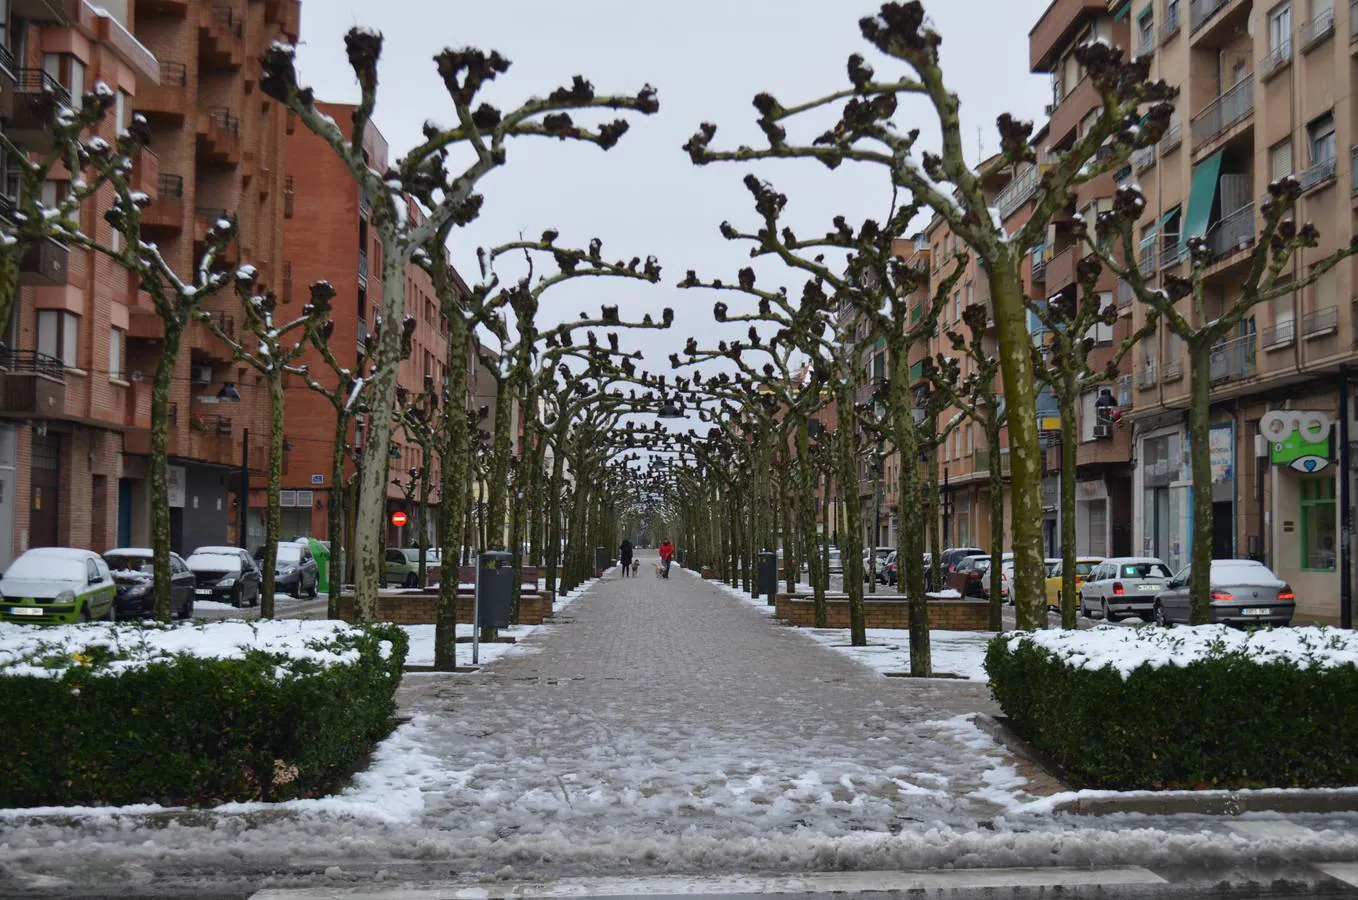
198,731
1224,721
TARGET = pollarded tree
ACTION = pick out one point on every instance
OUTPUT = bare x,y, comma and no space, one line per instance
278,347
1278,242
943,182
483,132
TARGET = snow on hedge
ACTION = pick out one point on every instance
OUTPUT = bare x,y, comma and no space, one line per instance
48,651
1127,649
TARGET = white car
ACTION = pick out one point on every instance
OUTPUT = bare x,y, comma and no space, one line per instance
57,586
1007,575
1123,586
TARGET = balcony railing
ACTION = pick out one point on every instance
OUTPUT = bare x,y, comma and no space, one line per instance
173,74
1234,359
1143,158
1231,107
36,81
1018,191
1145,44
7,60
983,461
1172,371
1146,255
1317,173
221,117
1145,377
1039,256
363,266
31,362
1200,12
1125,399
362,335
1125,295
1316,30
1173,252
1279,334
168,185
1234,232
1174,136
1320,322
1276,59
1170,27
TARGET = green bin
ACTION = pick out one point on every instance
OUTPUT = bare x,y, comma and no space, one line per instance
322,555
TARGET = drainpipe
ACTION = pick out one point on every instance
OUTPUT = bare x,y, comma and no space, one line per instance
1345,513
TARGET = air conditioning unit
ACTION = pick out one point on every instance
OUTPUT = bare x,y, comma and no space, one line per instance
1049,109
1102,431
201,374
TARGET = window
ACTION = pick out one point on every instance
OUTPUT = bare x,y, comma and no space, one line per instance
1318,524
68,72
120,111
1280,29
1146,27
1280,159
1089,415
115,353
58,331
1320,136
1102,333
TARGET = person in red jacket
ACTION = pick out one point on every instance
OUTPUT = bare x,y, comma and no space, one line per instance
666,556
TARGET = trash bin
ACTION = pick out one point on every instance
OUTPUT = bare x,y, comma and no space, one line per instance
768,574
600,559
322,556
494,588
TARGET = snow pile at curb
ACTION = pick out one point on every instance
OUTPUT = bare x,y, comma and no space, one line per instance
1127,649
112,649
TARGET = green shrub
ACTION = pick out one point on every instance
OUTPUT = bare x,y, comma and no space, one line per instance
198,731
1225,720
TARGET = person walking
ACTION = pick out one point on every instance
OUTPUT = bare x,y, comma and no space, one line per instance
625,557
666,555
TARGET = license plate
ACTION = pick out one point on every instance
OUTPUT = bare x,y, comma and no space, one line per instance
1150,587
1256,611
24,611
202,592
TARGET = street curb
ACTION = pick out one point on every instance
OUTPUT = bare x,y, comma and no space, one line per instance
1164,803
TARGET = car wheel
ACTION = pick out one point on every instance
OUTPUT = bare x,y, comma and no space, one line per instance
411,580
239,599
112,614
1083,610
258,592
1159,614
1108,616
84,612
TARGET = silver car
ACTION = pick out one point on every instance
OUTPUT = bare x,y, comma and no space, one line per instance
1244,592
1123,586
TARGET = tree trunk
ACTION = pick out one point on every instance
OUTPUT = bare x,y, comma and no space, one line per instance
1069,435
499,472
456,462
422,517
850,539
554,516
1025,453
1199,437
992,434
273,512
371,514
910,575
160,482
335,514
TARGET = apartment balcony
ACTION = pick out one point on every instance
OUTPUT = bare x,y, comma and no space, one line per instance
1318,174
137,404
1125,295
166,214
32,106
1224,114
1275,61
146,173
1173,138
1320,323
1213,21
218,137
32,385
1172,25
144,325
1115,449
1278,335
168,101
1072,110
1061,270
363,268
1173,251
1039,256
221,39
1234,360
1057,28
1146,376
1146,256
1171,371
45,264
1311,34
982,463
1233,234
1142,159
206,346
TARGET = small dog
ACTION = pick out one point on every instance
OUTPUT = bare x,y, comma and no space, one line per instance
659,570
636,567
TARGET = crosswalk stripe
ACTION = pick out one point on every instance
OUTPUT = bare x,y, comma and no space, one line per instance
674,886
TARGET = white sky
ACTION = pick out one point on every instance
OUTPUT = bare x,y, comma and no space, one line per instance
707,59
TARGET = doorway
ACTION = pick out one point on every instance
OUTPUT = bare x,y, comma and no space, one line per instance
124,512
46,493
1223,530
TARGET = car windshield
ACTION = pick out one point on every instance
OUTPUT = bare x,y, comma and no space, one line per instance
210,561
1052,567
289,553
41,567
129,564
1084,568
1145,570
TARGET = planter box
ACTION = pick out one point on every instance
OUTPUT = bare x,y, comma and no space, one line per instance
944,614
421,607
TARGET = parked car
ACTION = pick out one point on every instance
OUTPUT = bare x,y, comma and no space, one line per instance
1083,566
433,556
954,555
836,562
1244,592
886,572
974,571
1007,575
868,566
1123,586
134,575
295,569
57,586
401,569
225,575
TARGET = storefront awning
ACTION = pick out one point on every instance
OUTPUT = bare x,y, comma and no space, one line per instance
1201,196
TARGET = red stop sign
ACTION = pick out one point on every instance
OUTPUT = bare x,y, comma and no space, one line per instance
399,518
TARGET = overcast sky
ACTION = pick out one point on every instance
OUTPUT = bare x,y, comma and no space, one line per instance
707,58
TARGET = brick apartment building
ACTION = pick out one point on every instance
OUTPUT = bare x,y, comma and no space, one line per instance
84,341
338,245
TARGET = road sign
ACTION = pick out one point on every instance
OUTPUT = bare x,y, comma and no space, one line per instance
399,519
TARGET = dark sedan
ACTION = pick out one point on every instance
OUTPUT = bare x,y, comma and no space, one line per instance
225,575
295,570
134,575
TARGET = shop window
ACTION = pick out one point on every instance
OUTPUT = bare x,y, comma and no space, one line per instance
1318,538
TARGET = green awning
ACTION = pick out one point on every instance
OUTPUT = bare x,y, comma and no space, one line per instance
917,371
1202,195
1145,11
1122,11
1164,220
